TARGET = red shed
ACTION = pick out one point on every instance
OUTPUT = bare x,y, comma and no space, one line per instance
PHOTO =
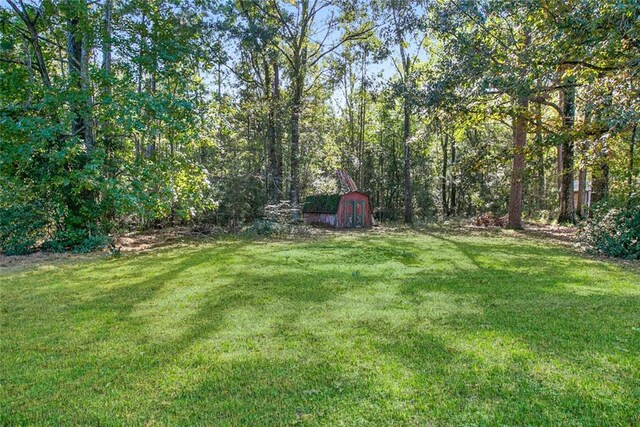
352,209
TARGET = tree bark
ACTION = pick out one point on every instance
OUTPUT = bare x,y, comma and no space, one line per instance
581,207
541,182
296,110
277,171
567,208
600,190
453,189
29,64
630,179
154,143
273,94
34,38
559,168
74,63
361,118
87,113
106,43
517,170
443,176
408,196
139,140
299,69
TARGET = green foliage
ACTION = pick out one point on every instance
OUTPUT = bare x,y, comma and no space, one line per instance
614,229
93,242
263,227
322,203
192,123
22,227
64,185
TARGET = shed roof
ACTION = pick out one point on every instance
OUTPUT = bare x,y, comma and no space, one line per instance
322,203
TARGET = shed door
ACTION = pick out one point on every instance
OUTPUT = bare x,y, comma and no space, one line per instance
354,215
349,215
359,211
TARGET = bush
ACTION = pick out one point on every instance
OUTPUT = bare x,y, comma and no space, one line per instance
21,228
280,220
263,227
614,230
268,228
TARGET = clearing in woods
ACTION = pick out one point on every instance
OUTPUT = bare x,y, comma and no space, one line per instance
363,328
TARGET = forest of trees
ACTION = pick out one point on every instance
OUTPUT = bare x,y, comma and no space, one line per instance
132,114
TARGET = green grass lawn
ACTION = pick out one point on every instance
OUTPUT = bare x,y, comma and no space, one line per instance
349,329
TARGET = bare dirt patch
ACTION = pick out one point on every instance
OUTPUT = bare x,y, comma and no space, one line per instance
18,262
143,241
150,240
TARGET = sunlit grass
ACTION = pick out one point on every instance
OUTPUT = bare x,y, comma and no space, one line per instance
379,329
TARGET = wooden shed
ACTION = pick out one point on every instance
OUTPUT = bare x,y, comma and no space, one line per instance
351,209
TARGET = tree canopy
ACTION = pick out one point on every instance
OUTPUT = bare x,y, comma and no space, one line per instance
124,114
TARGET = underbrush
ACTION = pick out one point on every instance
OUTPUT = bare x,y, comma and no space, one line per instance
270,228
614,229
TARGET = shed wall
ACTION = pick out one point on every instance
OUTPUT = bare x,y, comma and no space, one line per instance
320,218
345,210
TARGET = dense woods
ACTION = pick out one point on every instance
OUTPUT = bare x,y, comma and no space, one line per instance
124,114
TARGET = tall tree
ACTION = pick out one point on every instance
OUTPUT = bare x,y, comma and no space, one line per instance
567,208
403,26
303,46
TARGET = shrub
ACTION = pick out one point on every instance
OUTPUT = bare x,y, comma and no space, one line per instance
263,227
21,228
614,230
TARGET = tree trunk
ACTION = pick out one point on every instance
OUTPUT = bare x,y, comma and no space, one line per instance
273,94
517,170
106,45
298,76
630,179
34,39
277,166
362,118
394,196
600,190
296,110
408,197
348,96
87,116
453,189
567,209
581,207
139,140
74,63
270,142
559,168
443,176
154,143
42,67
541,183
29,64
106,125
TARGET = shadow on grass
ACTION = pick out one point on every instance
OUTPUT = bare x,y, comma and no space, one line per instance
378,329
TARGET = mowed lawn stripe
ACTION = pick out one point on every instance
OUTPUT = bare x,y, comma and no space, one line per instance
405,328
